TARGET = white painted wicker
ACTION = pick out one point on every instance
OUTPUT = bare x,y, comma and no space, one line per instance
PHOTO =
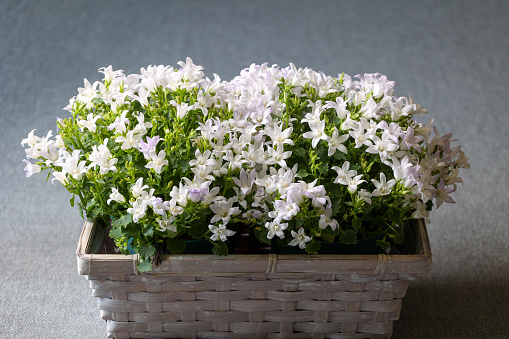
253,296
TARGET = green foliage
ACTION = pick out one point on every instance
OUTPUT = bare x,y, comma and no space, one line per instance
220,248
175,245
348,237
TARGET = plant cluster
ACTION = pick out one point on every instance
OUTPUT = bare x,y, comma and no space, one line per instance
298,156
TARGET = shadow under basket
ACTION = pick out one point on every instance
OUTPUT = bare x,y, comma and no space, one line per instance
252,295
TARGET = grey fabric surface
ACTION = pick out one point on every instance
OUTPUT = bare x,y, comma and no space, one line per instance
451,57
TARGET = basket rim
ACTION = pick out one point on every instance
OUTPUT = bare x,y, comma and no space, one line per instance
210,264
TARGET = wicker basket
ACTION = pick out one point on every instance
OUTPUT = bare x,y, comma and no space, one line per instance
252,296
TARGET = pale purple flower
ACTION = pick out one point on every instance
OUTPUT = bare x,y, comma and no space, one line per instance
441,193
149,146
31,169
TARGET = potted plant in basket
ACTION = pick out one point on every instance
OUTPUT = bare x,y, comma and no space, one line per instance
300,158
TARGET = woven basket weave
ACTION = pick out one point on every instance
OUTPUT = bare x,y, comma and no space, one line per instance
252,296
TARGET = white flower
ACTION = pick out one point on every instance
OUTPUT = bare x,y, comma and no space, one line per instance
317,133
276,227
360,137
326,220
284,210
120,123
344,173
354,182
401,169
173,208
51,153
137,210
157,162
234,160
138,187
167,224
254,154
73,166
31,140
220,232
180,194
278,136
365,195
336,142
115,196
109,73
277,156
370,109
90,122
300,238
184,108
132,139
101,156
223,210
88,93
211,196
245,181
142,127
203,159
60,176
318,196
382,147
383,187
420,211
339,106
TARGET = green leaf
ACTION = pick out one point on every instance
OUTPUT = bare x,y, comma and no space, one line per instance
140,163
90,204
261,236
146,251
72,200
383,244
122,221
323,168
116,233
339,155
132,228
395,216
175,246
302,173
300,152
148,230
313,246
357,223
348,237
220,248
144,265
198,228
399,237
328,235
184,165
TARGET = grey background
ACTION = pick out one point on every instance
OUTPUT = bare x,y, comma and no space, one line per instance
452,57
